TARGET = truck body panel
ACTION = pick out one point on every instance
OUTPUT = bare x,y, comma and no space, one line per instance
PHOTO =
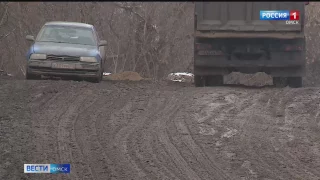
230,37
243,16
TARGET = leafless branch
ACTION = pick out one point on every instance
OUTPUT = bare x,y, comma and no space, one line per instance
6,35
130,9
111,27
5,14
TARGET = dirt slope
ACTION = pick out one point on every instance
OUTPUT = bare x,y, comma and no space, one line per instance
144,130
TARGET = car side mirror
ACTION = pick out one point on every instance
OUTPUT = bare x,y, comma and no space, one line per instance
30,38
103,43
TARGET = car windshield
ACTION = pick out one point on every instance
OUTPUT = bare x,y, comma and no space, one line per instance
64,34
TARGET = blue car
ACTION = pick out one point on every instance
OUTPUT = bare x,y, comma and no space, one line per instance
66,49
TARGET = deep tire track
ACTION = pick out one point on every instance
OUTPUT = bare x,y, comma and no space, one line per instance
85,137
115,124
173,152
48,128
143,139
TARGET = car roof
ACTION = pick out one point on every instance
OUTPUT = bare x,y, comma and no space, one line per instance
65,23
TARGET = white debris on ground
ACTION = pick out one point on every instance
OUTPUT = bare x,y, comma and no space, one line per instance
180,77
3,73
177,77
182,74
106,74
230,133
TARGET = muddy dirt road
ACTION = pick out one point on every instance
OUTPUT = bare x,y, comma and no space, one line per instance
144,130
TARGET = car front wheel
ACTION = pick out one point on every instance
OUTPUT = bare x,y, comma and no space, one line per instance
97,79
30,76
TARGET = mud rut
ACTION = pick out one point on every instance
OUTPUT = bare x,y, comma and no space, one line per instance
141,130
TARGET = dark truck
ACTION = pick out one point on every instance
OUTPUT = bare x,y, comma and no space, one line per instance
230,37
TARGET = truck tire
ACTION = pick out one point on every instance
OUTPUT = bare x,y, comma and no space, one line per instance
280,81
199,81
216,80
295,82
32,76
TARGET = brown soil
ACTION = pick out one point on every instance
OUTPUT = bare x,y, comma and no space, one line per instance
126,75
165,130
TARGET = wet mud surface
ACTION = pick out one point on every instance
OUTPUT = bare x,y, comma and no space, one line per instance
165,130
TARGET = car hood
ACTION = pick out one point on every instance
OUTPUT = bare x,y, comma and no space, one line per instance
64,49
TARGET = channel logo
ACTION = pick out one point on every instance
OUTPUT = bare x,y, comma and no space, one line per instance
274,15
47,168
294,15
290,17
280,15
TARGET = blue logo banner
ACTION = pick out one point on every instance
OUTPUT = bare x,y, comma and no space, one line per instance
274,15
47,168
60,168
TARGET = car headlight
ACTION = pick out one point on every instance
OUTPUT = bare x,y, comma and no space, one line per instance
88,59
38,56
